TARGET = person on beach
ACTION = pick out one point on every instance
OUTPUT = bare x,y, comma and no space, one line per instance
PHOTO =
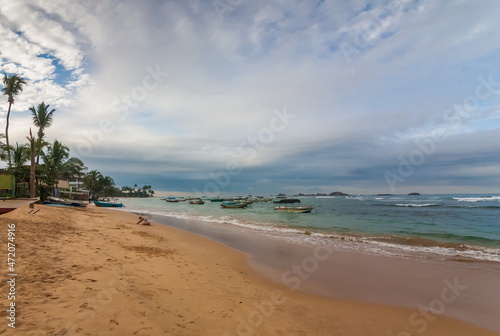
143,221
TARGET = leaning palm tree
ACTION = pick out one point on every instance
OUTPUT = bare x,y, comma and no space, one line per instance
12,86
42,118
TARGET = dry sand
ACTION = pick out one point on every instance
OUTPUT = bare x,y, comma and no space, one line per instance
95,272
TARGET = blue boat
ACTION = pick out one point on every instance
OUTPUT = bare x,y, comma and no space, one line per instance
233,205
108,204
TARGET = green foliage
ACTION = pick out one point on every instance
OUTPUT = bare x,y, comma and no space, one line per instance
57,163
99,185
145,191
12,86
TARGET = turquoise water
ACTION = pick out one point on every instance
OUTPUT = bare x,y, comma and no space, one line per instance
466,226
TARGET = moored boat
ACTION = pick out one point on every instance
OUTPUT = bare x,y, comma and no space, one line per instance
233,205
196,201
296,209
108,204
287,200
68,202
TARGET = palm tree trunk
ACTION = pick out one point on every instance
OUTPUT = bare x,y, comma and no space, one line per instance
7,135
32,167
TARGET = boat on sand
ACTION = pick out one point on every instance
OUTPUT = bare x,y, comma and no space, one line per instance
108,204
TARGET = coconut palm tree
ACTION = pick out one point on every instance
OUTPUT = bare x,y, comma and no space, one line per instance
42,118
91,182
12,86
20,155
58,165
32,183
53,161
3,148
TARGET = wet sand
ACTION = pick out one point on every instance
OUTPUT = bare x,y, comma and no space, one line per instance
95,272
365,278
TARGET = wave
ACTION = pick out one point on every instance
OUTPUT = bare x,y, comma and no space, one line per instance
417,205
477,199
378,244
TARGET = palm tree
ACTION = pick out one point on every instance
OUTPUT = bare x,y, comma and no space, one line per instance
42,118
53,160
12,86
58,165
20,154
3,148
91,181
32,166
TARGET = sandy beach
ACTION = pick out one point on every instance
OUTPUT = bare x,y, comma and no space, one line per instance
95,272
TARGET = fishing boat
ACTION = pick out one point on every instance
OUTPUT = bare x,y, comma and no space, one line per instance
67,202
289,207
296,209
217,199
233,205
108,204
287,200
196,201
171,200
8,205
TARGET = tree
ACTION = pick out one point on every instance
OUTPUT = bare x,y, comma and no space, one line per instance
42,118
3,148
32,166
91,181
58,165
13,85
99,185
20,154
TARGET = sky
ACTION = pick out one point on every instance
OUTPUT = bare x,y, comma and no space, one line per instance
259,97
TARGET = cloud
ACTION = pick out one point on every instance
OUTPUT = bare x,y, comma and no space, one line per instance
364,81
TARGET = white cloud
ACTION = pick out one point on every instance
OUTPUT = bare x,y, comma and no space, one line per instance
226,76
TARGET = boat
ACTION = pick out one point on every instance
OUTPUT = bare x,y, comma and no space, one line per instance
261,199
8,205
171,200
296,209
196,201
287,200
233,205
217,199
66,202
291,208
108,204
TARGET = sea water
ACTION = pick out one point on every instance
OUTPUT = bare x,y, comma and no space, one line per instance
450,227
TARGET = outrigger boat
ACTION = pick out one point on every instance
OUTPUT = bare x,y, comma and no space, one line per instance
196,201
233,205
296,209
108,204
67,202
292,208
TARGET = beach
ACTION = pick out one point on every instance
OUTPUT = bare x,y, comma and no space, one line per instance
94,271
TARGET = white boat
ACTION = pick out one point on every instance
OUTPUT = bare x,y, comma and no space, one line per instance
296,209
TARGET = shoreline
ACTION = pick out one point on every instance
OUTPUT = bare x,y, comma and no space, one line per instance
421,243
389,280
94,272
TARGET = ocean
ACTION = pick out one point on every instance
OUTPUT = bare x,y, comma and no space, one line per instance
456,227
